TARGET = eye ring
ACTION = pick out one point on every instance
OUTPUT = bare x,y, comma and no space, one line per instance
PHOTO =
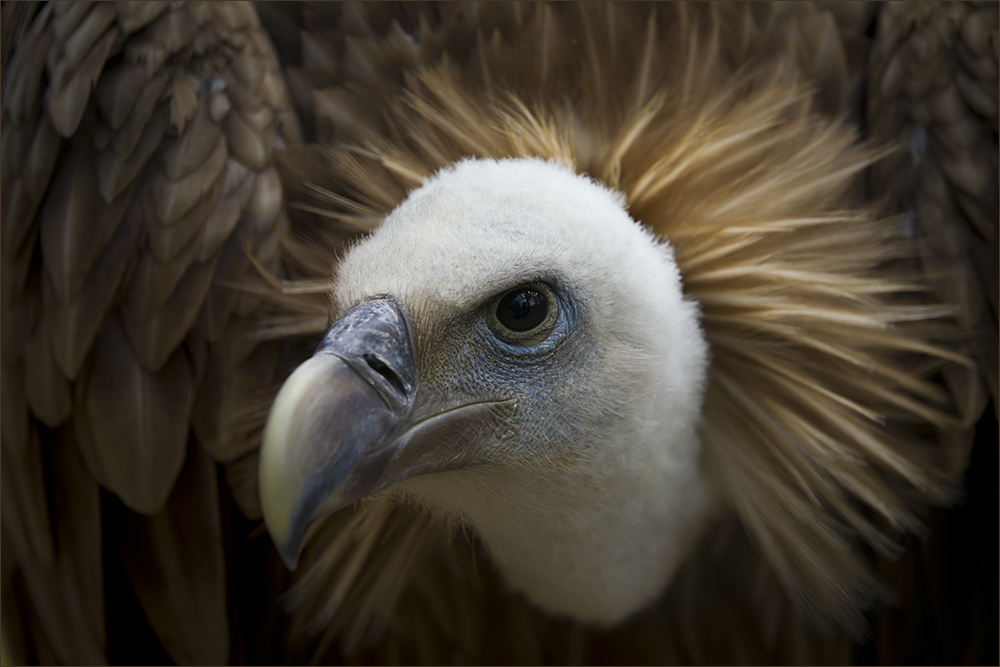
523,316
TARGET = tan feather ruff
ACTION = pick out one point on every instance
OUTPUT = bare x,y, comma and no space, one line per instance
821,412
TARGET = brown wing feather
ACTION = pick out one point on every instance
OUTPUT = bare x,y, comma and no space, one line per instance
175,559
137,183
73,325
26,514
68,595
47,390
934,89
125,403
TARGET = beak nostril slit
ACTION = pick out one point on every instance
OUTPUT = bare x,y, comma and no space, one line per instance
383,369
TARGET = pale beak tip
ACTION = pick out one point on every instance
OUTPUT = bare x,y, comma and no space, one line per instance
288,543
289,556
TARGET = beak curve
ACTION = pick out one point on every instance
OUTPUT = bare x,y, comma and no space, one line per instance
349,422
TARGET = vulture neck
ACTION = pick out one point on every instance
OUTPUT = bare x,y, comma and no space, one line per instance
594,539
593,495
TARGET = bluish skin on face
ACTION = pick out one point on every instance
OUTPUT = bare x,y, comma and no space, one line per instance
463,360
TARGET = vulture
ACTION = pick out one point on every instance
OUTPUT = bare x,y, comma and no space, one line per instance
499,332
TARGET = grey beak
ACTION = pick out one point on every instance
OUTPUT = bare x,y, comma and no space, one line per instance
351,421
328,436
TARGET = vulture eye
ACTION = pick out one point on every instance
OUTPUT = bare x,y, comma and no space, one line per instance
523,316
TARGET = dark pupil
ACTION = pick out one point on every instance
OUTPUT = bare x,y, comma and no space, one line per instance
522,310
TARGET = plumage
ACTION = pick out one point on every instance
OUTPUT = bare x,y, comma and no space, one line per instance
137,126
767,232
77,225
27,514
156,333
159,407
67,594
75,323
16,417
173,575
166,241
46,388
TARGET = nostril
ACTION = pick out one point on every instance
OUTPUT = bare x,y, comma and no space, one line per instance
383,369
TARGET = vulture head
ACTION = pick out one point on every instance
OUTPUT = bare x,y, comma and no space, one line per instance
516,353
611,321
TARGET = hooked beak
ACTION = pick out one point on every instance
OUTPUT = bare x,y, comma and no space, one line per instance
350,421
